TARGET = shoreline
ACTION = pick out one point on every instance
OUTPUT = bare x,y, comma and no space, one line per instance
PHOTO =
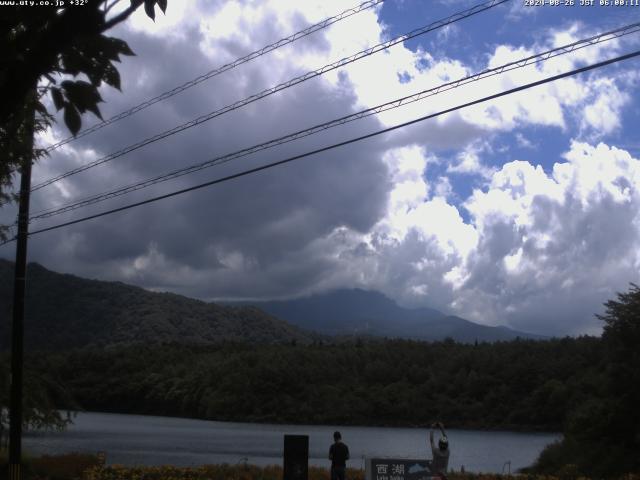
157,440
263,422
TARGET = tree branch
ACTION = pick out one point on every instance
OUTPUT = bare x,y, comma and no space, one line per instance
122,16
109,7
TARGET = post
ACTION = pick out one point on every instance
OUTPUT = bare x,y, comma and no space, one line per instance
17,326
296,457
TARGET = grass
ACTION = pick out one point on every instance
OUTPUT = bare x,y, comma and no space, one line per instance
77,466
250,472
71,466
207,472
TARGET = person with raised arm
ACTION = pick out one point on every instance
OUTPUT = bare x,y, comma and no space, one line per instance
440,453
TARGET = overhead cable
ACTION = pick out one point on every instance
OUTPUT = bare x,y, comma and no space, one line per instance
341,144
521,63
270,91
247,58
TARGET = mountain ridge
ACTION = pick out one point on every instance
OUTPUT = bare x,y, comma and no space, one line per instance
365,312
66,311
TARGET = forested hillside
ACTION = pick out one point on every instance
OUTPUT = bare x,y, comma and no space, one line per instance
65,311
112,347
519,384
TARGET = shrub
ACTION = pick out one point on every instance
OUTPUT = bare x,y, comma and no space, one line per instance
69,466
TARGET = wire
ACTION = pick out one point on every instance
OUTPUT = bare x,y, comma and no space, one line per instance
346,142
270,91
247,58
533,59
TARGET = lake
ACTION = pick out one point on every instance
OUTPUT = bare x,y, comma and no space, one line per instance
149,440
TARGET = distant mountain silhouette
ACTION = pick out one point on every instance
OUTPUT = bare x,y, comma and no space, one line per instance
65,311
361,312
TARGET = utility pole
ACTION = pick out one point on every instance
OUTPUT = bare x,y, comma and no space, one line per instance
19,286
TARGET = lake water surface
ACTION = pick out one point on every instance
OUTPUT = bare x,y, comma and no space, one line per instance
148,440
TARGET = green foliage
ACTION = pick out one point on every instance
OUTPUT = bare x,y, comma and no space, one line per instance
602,434
64,311
16,146
621,338
365,383
43,51
42,395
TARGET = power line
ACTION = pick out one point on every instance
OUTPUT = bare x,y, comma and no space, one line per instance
270,91
521,63
347,142
247,58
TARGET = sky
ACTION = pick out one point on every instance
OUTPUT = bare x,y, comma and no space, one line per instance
522,211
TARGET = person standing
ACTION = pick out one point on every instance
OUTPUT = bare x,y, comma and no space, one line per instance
338,454
440,454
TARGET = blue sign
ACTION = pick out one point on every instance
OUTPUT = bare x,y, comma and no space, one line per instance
399,469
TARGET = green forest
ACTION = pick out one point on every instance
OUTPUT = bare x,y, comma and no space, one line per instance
587,387
521,384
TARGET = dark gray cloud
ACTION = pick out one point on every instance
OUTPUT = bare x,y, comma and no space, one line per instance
538,251
249,237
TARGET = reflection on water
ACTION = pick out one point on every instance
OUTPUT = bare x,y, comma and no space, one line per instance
147,440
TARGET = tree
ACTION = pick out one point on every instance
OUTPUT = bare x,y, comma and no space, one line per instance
52,51
621,337
602,434
43,394
44,51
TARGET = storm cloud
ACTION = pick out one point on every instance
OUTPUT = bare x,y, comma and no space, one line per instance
538,249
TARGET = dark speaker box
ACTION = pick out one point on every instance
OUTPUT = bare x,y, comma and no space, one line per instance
296,457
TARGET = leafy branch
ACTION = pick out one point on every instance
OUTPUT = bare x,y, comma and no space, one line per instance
46,50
